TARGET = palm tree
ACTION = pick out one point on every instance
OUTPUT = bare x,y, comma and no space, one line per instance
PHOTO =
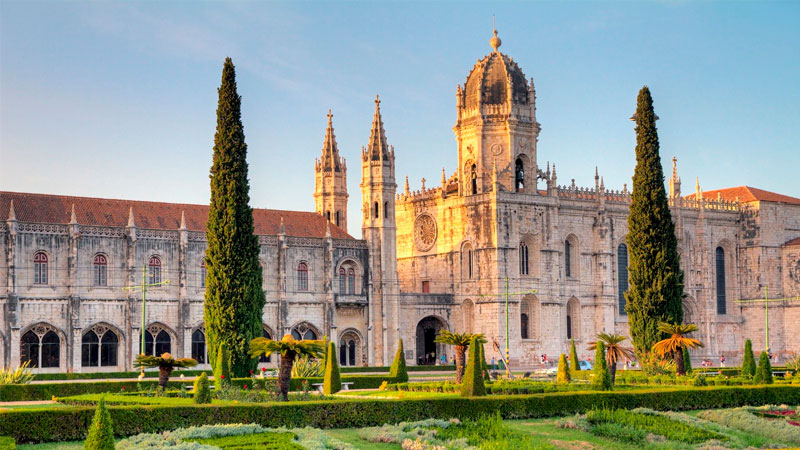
165,363
461,342
614,350
674,345
289,349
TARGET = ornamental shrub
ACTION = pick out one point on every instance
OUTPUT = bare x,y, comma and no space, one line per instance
764,370
563,370
7,443
202,391
398,370
101,434
332,382
472,384
575,365
748,360
602,377
222,370
484,366
687,361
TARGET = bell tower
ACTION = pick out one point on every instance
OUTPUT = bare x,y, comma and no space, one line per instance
330,190
496,126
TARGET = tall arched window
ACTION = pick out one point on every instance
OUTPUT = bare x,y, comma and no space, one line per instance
351,281
569,326
109,343
302,277
203,274
90,350
571,263
29,349
100,270
523,259
304,332
158,345
376,213
342,281
722,306
567,258
573,319
349,348
265,359
473,176
466,261
40,346
155,269
337,218
622,277
385,210
524,326
199,346
519,176
328,215
40,268
99,350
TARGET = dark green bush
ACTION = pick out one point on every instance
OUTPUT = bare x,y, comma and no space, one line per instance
65,424
472,385
764,370
748,360
332,382
602,377
398,370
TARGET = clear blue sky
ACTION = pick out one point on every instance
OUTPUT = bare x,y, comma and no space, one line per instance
118,99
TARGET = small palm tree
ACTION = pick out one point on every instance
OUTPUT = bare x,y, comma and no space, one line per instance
673,346
614,351
289,349
461,342
165,363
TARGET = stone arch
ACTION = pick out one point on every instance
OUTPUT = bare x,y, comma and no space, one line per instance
690,310
524,178
470,178
468,315
267,332
468,265
573,322
44,345
428,351
102,345
622,259
529,317
571,259
724,276
159,339
40,275
349,277
351,348
305,331
199,347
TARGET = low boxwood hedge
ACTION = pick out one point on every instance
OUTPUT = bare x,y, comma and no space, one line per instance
65,424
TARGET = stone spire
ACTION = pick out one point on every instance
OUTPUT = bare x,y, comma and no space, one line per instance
131,223
73,219
377,149
183,220
408,190
674,181
697,191
330,151
283,228
444,179
12,215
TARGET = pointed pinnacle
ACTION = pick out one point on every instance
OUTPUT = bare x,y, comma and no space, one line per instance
73,220
131,222
183,220
283,229
327,228
12,215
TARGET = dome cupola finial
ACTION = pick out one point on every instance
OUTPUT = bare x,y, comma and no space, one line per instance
495,41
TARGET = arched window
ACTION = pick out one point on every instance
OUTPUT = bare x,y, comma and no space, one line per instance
203,274
351,281
573,319
524,326
90,349
302,277
155,270
342,281
351,352
376,213
265,359
519,176
109,343
569,326
722,306
523,259
567,258
40,268
100,270
99,347
525,317
41,347
304,332
349,348
473,176
199,346
337,218
385,210
158,345
622,277
466,261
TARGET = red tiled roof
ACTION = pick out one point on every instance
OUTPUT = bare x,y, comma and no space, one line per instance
57,209
792,243
748,194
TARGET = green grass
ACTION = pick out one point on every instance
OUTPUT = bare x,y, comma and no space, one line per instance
266,441
74,445
350,435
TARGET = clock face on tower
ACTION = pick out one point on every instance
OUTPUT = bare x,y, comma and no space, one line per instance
424,232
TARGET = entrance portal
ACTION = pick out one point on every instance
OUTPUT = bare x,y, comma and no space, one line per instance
428,351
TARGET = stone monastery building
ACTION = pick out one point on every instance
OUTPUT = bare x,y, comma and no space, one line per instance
437,258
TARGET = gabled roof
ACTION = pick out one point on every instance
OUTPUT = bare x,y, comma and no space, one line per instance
747,194
57,209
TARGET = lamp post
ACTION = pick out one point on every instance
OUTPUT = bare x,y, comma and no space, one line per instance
766,302
507,294
144,287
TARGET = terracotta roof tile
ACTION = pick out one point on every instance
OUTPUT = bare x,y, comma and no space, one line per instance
793,242
56,209
748,194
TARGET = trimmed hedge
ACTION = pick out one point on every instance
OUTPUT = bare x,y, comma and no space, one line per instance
66,424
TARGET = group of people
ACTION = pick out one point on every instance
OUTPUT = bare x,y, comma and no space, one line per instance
708,363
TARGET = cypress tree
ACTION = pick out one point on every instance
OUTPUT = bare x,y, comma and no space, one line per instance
398,370
748,361
234,300
222,369
101,433
602,377
764,370
687,361
573,357
472,384
332,383
484,366
654,273
202,392
563,376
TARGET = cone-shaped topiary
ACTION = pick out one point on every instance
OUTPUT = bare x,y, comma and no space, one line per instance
602,378
222,370
202,391
654,272
234,300
472,385
101,433
332,382
563,376
484,366
398,370
687,361
575,365
764,370
748,361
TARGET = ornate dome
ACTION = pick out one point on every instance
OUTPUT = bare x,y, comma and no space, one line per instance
494,79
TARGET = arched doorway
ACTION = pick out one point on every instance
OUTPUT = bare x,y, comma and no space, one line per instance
428,351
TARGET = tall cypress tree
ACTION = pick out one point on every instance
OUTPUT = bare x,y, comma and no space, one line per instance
654,273
234,300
